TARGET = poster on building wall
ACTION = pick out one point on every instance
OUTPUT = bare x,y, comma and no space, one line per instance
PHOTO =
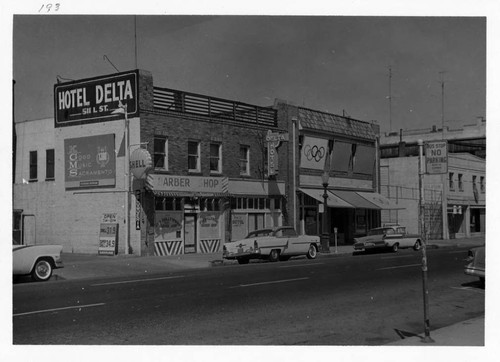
239,226
209,225
108,239
168,225
313,153
90,162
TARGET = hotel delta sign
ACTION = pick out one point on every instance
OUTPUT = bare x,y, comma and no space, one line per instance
93,100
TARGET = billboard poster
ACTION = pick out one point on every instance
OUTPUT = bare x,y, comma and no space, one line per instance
90,162
94,100
239,226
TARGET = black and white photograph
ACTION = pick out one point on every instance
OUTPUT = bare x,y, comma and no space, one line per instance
252,182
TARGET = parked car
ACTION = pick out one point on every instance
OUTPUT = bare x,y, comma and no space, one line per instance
274,244
392,237
36,260
476,263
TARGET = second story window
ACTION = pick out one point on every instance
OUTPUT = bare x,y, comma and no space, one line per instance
452,182
194,156
49,165
33,165
215,158
244,160
474,184
482,184
160,152
460,182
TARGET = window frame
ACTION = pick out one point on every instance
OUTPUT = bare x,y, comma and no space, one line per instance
50,155
245,172
163,154
198,162
219,158
460,182
33,166
451,183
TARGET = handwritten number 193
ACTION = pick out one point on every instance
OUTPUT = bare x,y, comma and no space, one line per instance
49,7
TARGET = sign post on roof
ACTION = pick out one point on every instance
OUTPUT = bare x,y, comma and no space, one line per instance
436,157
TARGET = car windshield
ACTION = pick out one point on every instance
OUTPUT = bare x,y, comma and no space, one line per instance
257,233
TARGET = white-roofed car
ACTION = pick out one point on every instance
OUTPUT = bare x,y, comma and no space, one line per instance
39,261
393,237
272,244
476,263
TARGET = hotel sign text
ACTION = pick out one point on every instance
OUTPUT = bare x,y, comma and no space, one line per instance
94,100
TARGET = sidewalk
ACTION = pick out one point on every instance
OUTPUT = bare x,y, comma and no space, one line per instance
465,333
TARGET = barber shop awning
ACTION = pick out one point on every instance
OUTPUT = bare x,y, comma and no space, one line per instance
332,201
380,201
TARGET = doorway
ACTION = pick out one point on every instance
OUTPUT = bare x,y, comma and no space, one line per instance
189,233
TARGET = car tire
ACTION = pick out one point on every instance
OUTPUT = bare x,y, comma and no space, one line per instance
243,260
417,246
395,247
274,255
312,252
42,271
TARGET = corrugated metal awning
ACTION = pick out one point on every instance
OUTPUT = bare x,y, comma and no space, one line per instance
332,201
379,200
355,200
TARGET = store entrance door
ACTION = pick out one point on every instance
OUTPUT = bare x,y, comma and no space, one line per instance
189,233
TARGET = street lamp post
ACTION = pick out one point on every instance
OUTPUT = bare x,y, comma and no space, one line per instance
325,240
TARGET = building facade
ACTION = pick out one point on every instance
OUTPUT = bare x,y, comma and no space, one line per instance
128,167
455,200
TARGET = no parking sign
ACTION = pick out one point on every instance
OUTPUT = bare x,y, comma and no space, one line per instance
436,157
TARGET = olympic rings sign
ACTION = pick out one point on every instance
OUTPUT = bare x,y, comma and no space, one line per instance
314,152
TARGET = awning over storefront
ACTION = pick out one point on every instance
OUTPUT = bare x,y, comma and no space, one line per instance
380,201
332,201
355,200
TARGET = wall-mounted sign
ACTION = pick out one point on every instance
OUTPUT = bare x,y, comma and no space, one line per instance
93,100
140,163
109,217
273,140
192,184
436,157
138,209
314,153
90,162
108,239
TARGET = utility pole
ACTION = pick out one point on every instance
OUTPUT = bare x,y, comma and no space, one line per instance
390,99
427,338
441,74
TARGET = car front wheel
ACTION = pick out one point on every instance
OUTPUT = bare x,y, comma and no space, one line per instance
312,252
395,247
274,255
417,246
42,271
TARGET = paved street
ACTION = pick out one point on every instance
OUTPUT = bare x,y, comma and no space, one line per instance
371,299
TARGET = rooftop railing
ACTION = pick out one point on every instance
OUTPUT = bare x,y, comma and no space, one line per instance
171,100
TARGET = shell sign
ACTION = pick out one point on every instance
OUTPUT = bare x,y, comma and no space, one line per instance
140,163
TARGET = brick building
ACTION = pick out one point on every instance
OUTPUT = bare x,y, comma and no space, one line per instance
126,166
